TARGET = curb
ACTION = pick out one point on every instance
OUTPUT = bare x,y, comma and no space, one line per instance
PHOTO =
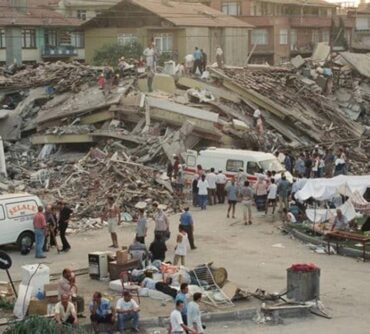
344,251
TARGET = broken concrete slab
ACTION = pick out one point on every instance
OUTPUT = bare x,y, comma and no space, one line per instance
297,61
63,139
161,82
218,92
321,52
360,62
239,125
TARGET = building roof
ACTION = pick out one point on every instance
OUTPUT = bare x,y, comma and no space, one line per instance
183,14
89,3
312,3
37,13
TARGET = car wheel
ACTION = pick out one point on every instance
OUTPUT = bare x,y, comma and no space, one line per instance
26,239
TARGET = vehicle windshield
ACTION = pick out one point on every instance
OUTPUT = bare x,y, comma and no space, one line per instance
271,165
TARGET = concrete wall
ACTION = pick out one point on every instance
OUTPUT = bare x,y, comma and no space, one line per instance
196,37
13,40
31,55
235,45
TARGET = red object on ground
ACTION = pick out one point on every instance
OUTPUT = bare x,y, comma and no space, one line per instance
303,267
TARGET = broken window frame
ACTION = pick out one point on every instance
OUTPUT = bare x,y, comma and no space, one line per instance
125,39
259,37
82,14
238,164
165,42
78,39
29,38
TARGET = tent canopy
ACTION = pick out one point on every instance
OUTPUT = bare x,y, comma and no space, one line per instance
325,189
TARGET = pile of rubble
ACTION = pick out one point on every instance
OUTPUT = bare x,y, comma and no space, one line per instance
126,137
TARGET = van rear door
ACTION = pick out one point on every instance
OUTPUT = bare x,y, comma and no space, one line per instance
191,157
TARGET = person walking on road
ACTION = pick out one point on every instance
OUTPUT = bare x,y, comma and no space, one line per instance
39,224
187,223
232,197
141,227
181,247
221,180
211,179
203,192
112,214
177,325
162,224
64,216
271,196
194,315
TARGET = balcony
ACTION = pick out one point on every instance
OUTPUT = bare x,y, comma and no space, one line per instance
63,51
310,22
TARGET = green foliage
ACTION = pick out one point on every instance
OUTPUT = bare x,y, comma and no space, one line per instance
110,54
5,304
164,56
42,325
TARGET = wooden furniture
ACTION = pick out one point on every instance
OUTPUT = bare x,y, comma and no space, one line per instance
128,285
115,268
341,236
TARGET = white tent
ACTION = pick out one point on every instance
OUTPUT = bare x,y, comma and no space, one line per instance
325,189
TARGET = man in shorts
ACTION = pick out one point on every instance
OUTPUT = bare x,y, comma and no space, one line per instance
246,194
112,214
232,197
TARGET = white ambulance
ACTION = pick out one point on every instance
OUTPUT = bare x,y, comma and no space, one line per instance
16,218
230,161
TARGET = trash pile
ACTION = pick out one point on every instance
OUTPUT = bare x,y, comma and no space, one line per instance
66,138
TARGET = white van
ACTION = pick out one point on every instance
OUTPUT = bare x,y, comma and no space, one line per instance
16,218
230,161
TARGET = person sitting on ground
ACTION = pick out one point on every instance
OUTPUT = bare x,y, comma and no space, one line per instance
127,310
65,312
164,287
158,249
288,217
340,222
101,311
138,250
67,285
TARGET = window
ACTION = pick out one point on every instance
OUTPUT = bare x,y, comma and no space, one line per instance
256,8
252,167
315,36
29,38
234,165
124,39
260,37
81,14
191,161
326,36
362,23
78,39
2,39
51,38
163,42
231,8
293,40
283,36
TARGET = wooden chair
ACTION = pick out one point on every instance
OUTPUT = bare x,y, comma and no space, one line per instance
131,287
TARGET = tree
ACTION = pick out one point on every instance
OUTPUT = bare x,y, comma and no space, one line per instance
110,54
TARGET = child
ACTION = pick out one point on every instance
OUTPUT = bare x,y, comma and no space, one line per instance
101,81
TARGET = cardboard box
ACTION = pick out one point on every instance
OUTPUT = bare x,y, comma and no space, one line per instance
51,290
115,268
122,256
38,307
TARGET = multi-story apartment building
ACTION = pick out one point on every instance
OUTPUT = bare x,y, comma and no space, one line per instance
284,28
361,29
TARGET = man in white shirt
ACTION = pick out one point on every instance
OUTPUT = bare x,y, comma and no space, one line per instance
221,180
65,312
203,192
177,325
127,310
271,196
211,179
181,246
194,315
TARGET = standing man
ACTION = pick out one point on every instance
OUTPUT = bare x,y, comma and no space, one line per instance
219,57
39,224
179,182
283,192
187,223
181,247
203,192
308,165
194,315
241,177
221,180
204,60
232,197
211,179
271,196
162,224
112,214
127,310
150,77
177,325
299,165
141,227
197,61
182,296
176,165
189,63
194,190
64,216
329,163
149,56
108,76
246,195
